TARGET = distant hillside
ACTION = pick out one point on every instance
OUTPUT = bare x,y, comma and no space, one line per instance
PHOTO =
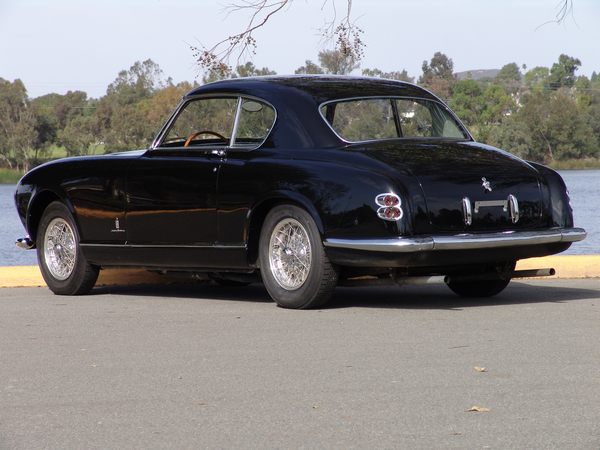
477,74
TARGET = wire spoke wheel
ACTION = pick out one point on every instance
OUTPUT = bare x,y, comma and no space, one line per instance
290,254
63,266
294,267
59,249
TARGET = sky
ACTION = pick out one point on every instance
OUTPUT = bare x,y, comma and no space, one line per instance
62,45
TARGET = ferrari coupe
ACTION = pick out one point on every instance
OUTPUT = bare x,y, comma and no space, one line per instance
303,183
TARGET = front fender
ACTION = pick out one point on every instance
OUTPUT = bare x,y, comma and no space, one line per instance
32,198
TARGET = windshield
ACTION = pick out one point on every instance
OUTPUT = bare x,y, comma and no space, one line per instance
388,118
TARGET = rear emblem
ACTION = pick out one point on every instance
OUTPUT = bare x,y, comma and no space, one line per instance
486,184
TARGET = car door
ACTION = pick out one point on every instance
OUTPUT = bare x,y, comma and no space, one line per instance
172,188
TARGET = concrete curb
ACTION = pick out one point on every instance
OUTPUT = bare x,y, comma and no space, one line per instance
585,266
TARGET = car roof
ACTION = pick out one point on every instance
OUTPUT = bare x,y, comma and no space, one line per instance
321,87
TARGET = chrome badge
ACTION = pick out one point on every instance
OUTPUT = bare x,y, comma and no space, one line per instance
117,228
486,184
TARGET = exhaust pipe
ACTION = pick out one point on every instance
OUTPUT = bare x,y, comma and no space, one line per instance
533,273
445,279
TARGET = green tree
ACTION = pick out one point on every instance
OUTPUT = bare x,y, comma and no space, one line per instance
468,101
79,134
509,78
248,70
46,123
158,108
536,77
309,67
399,76
514,137
17,124
438,76
562,74
140,82
129,130
591,117
558,128
336,62
497,105
584,92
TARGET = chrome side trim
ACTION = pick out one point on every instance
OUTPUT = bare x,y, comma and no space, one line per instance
140,246
466,241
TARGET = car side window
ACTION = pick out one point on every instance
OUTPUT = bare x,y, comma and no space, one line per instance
254,123
207,119
232,121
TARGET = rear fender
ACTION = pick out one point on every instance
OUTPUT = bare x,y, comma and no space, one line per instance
561,211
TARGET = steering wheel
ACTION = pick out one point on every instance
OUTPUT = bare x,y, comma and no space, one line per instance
205,132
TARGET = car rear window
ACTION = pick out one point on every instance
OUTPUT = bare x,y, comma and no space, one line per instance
388,118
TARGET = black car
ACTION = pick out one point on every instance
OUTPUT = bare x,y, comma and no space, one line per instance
303,182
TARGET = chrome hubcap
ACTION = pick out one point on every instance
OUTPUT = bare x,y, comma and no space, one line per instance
290,254
59,249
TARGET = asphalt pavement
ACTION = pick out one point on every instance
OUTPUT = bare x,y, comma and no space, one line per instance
211,367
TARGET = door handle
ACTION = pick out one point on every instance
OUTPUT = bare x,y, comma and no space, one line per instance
220,153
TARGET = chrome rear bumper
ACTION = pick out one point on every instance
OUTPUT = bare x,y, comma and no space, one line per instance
464,241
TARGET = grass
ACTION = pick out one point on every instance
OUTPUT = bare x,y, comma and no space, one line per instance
575,164
10,176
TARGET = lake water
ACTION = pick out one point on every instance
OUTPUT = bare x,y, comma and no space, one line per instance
583,185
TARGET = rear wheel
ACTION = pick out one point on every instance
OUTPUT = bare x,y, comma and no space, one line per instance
482,288
294,267
230,283
61,262
478,288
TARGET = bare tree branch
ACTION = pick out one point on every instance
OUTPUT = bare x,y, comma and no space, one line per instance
565,8
216,60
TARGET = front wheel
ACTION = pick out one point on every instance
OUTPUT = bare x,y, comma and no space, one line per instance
61,262
293,264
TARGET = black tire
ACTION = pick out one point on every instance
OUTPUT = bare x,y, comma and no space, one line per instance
483,288
294,267
231,283
61,262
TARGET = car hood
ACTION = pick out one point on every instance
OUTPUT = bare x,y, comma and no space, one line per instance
457,175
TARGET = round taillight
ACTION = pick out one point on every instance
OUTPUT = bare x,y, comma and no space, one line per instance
389,206
392,213
390,200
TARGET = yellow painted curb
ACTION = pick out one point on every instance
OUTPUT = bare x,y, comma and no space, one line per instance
30,276
570,266
585,266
